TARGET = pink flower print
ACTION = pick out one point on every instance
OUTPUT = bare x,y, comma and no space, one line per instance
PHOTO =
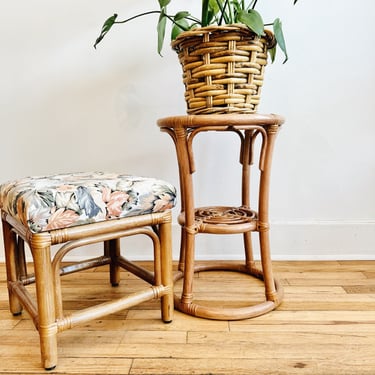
115,203
61,219
106,194
164,202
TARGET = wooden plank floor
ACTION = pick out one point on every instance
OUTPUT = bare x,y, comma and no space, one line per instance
326,325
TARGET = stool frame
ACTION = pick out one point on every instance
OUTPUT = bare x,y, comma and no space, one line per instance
47,311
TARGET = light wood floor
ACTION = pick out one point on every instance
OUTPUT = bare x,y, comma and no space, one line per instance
326,325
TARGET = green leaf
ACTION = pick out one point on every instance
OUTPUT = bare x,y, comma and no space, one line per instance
180,15
279,35
105,28
214,6
161,30
253,20
179,27
164,3
272,53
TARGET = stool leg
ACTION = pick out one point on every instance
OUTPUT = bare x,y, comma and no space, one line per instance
10,245
167,305
21,258
47,327
112,249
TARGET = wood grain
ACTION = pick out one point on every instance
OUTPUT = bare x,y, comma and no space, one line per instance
326,325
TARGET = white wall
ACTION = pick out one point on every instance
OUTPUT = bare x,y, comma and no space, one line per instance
67,107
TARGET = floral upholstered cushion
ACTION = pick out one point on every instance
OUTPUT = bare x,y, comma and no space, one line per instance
64,200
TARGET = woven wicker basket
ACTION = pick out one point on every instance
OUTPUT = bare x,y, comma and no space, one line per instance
223,68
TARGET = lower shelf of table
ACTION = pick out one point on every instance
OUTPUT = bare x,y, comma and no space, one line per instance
229,313
223,219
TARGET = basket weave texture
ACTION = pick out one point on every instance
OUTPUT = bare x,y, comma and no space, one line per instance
223,68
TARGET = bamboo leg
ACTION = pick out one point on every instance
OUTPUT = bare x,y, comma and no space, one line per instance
21,259
167,305
249,257
187,290
269,283
181,264
47,327
57,292
112,249
186,170
263,224
246,161
10,245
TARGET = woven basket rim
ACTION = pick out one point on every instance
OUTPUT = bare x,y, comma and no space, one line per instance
237,27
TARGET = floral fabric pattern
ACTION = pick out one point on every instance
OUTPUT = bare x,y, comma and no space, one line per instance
59,201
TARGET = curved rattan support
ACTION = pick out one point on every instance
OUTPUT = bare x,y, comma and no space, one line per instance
255,130
234,313
102,260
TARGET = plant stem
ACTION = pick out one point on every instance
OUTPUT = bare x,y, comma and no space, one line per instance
171,18
223,12
139,15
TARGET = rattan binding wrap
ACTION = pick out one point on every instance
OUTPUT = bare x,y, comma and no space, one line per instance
223,68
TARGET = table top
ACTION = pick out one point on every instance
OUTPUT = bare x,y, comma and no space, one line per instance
195,121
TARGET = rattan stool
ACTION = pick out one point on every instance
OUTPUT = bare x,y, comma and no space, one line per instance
76,210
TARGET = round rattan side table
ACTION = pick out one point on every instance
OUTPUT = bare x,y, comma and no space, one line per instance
226,219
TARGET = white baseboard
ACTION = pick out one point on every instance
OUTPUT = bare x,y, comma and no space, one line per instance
290,240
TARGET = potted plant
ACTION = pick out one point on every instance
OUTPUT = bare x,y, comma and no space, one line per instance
223,53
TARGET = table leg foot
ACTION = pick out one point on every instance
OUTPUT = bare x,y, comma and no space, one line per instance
187,305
